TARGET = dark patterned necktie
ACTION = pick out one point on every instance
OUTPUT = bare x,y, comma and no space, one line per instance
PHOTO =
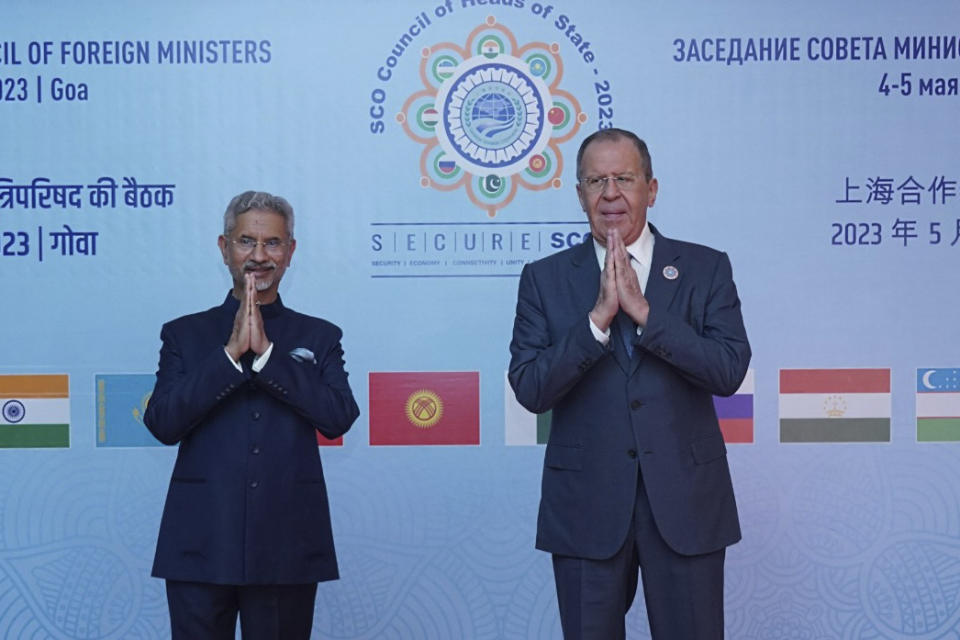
627,330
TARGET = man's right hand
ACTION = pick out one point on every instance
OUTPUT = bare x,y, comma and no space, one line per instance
608,301
239,342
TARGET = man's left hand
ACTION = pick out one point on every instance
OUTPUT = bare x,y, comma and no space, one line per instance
632,300
258,337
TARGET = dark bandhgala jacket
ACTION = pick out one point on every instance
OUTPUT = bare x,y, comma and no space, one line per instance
247,502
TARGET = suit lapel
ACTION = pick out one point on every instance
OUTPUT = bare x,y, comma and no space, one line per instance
660,289
585,275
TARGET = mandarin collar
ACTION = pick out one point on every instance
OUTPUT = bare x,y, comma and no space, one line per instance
271,310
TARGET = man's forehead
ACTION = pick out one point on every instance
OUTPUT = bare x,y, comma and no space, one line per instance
260,220
620,151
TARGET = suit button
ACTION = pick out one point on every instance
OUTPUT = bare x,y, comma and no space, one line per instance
255,450
636,404
632,453
254,484
255,415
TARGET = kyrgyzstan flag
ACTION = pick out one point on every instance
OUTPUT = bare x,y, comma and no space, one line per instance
425,408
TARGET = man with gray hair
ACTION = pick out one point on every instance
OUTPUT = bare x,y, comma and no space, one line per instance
626,338
244,388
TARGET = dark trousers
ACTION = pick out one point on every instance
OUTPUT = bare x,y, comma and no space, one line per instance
683,594
200,611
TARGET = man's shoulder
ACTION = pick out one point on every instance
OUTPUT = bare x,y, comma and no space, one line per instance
685,247
193,318
316,323
565,257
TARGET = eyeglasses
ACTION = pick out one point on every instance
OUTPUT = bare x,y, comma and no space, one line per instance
246,245
596,184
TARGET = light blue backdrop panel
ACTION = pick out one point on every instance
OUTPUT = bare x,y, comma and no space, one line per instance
779,134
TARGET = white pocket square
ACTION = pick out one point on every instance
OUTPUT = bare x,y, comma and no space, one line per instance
300,354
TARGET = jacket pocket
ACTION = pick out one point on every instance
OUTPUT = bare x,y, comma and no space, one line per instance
564,457
708,449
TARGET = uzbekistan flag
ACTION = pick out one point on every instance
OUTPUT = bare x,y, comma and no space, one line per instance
425,408
445,68
736,412
34,411
938,405
121,402
521,427
835,405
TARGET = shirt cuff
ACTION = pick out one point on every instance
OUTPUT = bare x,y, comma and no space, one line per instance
261,360
603,337
232,361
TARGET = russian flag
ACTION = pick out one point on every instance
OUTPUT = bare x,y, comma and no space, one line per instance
736,413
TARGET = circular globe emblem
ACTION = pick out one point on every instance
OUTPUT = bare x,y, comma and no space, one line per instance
494,117
13,411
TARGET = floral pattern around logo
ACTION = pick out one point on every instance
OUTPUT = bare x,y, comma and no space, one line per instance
491,116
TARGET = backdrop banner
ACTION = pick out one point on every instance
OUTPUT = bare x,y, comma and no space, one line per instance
429,149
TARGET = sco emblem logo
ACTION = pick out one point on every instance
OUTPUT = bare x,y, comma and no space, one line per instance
491,116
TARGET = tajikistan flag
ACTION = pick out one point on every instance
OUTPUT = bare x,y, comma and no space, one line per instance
938,405
835,405
34,411
521,427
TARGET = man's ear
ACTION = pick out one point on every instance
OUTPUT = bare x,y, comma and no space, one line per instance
222,243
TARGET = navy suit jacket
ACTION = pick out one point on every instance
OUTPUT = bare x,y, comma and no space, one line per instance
613,418
247,502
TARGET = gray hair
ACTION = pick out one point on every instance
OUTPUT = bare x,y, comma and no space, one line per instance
260,200
612,134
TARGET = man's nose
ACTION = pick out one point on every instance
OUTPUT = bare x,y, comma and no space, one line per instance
610,189
259,252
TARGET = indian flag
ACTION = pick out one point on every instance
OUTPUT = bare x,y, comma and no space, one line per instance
736,412
490,48
521,427
835,405
34,411
938,405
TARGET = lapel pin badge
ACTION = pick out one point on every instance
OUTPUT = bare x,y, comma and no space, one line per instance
670,272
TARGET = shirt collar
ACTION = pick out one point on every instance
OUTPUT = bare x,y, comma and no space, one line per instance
640,249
